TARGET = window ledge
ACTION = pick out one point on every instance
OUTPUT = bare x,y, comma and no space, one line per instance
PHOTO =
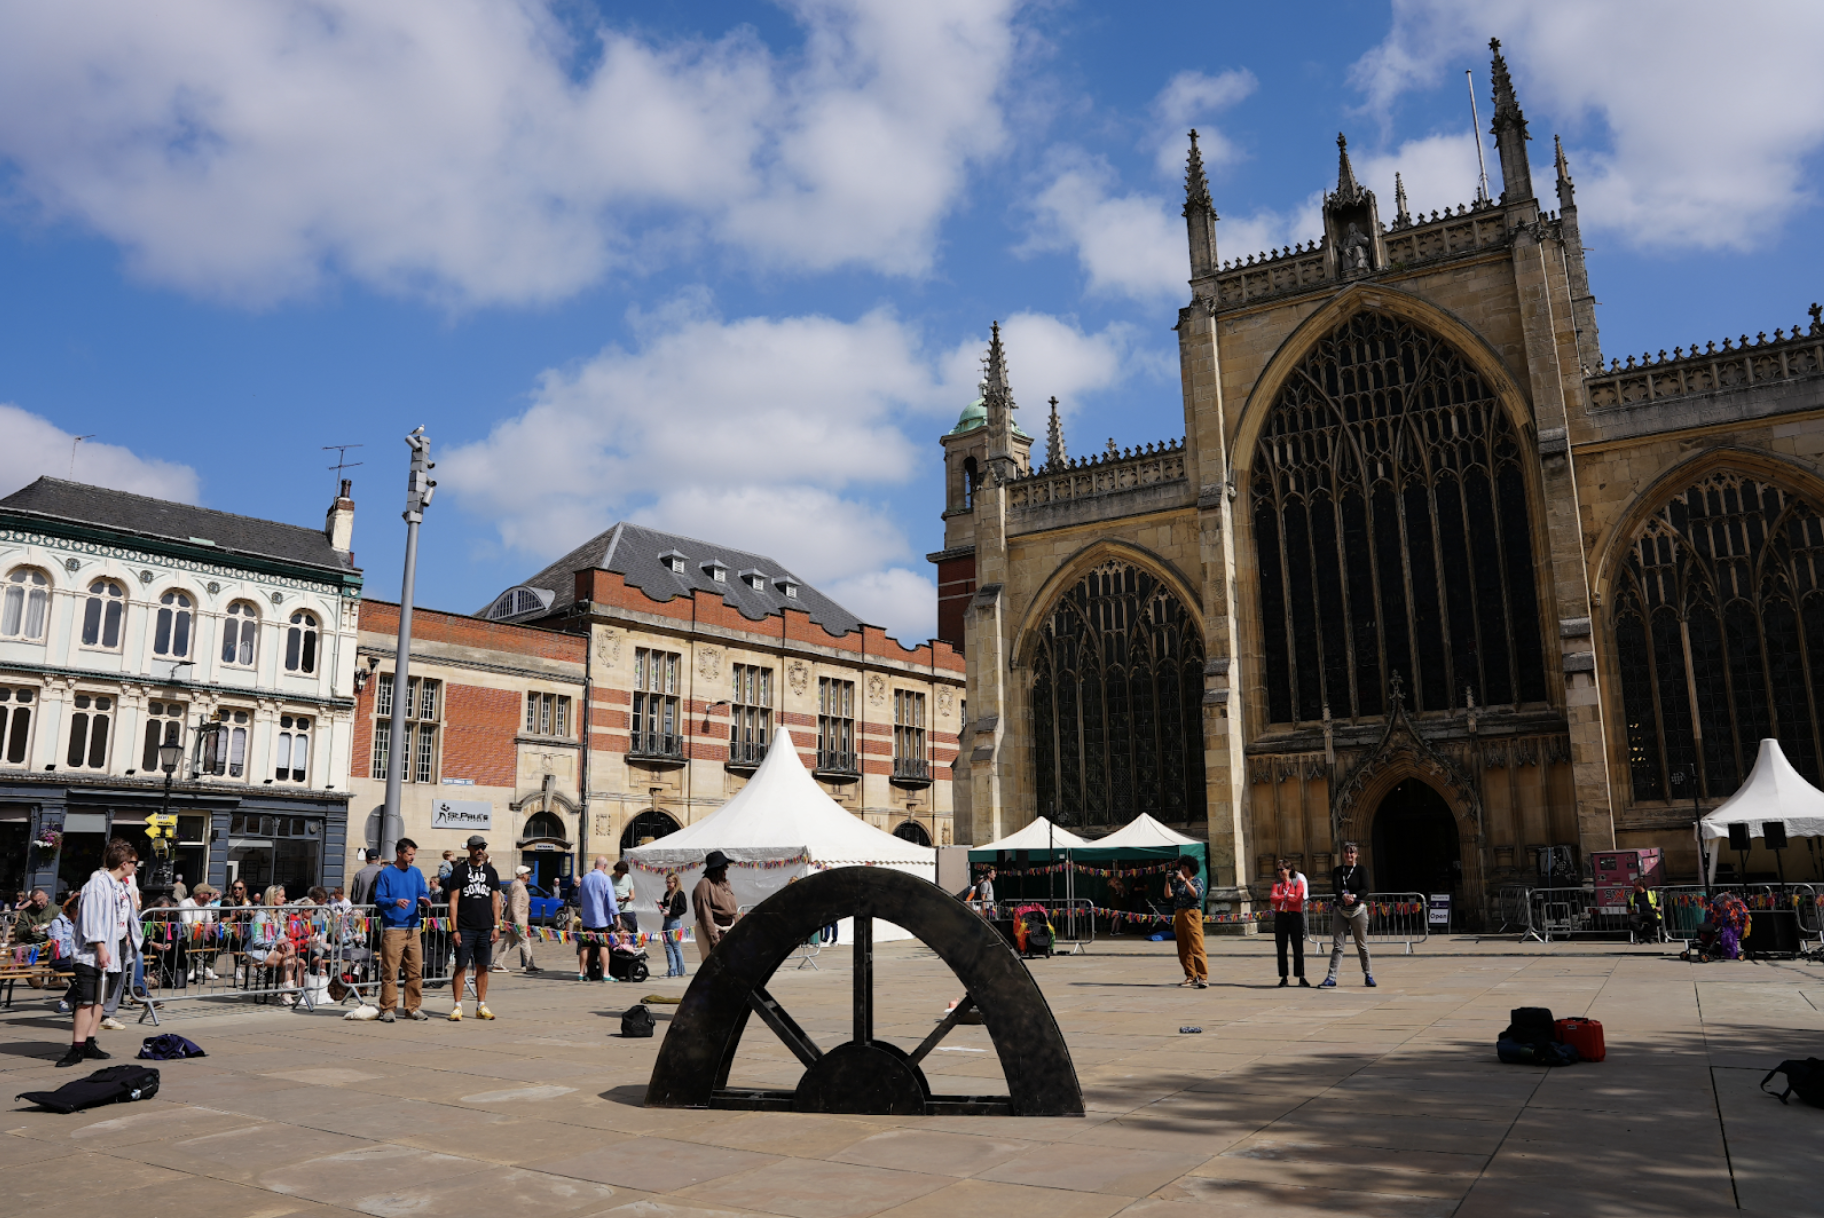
911,781
741,767
837,775
657,761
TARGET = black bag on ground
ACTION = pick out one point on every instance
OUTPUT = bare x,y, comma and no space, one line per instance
168,1048
637,1022
1805,1077
1531,1025
1535,1053
114,1084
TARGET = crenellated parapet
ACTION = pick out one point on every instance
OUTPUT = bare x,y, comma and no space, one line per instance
1736,364
1105,473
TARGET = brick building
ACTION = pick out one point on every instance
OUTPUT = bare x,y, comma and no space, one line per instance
490,721
1425,569
698,653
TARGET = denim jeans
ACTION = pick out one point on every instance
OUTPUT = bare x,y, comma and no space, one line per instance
674,952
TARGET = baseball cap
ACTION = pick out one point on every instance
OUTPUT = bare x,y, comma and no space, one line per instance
477,842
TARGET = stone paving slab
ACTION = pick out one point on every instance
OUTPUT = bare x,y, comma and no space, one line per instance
1294,1101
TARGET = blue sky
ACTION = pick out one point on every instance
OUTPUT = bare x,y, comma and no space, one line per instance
727,269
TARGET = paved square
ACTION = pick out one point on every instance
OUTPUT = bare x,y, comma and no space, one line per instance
1290,1102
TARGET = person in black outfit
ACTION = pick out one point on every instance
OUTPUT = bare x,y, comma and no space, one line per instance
1350,916
474,891
1289,920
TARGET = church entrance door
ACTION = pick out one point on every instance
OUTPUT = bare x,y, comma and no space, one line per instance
1415,842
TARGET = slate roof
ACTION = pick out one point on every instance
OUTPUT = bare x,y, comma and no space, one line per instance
56,501
632,552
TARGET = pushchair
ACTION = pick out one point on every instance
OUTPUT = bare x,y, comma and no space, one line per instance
1038,937
1707,946
627,963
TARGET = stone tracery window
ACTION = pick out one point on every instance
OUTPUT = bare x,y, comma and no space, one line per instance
1391,524
1116,702
1719,635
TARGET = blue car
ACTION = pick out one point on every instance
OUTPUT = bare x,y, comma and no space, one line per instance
547,908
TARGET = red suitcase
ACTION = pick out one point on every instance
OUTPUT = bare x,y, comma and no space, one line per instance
1583,1035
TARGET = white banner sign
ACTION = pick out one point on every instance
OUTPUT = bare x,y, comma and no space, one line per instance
470,814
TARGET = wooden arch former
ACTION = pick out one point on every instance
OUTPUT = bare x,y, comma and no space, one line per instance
864,1075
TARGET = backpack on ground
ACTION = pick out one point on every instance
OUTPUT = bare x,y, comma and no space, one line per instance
1532,1025
1531,1039
1805,1077
115,1084
168,1048
637,1022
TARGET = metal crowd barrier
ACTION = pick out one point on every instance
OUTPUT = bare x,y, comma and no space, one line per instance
1393,917
1073,921
220,952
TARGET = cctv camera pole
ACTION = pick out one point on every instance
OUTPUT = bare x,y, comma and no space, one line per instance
418,491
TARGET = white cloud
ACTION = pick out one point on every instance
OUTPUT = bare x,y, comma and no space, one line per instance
1192,99
451,148
1439,172
1128,245
772,434
1692,130
35,447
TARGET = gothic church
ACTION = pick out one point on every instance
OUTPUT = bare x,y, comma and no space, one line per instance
1425,571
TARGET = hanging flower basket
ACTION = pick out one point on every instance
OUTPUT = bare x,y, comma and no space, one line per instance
48,839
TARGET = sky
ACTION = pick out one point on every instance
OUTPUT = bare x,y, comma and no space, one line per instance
729,269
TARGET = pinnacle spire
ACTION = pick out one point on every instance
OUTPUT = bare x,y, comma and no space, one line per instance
1567,192
1348,190
995,384
1509,130
1054,440
1196,184
1507,106
1401,218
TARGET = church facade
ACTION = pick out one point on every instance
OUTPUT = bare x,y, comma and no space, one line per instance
1425,571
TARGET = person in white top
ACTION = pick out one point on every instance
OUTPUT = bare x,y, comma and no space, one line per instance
106,929
196,909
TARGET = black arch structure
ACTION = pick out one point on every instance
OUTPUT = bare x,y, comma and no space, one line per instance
863,1075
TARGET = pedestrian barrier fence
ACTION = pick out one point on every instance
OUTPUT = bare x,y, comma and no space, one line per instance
1393,917
283,953
1073,921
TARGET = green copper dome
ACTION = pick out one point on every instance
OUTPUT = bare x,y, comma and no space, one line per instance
974,415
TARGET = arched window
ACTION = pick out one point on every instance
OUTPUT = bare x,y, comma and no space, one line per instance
972,478
1117,687
292,759
171,634
649,825
545,826
1719,636
1391,524
102,614
25,604
912,831
240,634
301,643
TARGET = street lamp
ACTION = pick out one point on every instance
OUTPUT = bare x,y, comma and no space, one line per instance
1697,820
162,828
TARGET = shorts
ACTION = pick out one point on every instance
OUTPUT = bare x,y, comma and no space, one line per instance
89,987
476,947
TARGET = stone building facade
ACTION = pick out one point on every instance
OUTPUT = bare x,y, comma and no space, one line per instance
491,725
698,653
1426,570
127,623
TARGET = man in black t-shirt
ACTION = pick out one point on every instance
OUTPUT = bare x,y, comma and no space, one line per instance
1349,883
474,892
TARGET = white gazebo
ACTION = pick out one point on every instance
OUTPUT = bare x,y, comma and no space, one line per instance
778,827
1143,830
1041,834
1774,791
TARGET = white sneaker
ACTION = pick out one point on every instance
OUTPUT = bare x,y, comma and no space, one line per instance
209,975
113,1025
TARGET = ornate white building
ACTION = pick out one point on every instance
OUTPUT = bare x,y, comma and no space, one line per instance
127,623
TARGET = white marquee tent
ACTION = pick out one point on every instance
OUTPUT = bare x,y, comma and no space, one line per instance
1143,830
1041,834
1774,791
779,826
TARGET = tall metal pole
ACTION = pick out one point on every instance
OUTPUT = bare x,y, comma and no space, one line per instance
418,491
1475,129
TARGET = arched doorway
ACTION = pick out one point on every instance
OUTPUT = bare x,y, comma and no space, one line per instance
912,831
649,825
1415,844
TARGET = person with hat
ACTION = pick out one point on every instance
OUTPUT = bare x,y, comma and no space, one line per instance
475,913
714,901
519,917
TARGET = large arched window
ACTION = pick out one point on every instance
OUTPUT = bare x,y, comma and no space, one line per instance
24,604
1118,683
1390,517
240,634
102,614
1719,635
171,632
649,825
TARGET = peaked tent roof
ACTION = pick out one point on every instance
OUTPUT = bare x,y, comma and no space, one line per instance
1041,834
1774,791
782,813
1143,830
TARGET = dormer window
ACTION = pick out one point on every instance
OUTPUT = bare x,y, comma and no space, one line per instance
788,587
755,579
717,570
519,600
674,561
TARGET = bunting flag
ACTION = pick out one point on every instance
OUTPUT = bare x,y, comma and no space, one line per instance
800,859
1105,873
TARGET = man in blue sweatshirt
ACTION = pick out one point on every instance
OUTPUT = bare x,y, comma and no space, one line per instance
399,892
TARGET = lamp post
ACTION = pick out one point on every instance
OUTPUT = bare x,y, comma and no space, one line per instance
418,491
161,829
